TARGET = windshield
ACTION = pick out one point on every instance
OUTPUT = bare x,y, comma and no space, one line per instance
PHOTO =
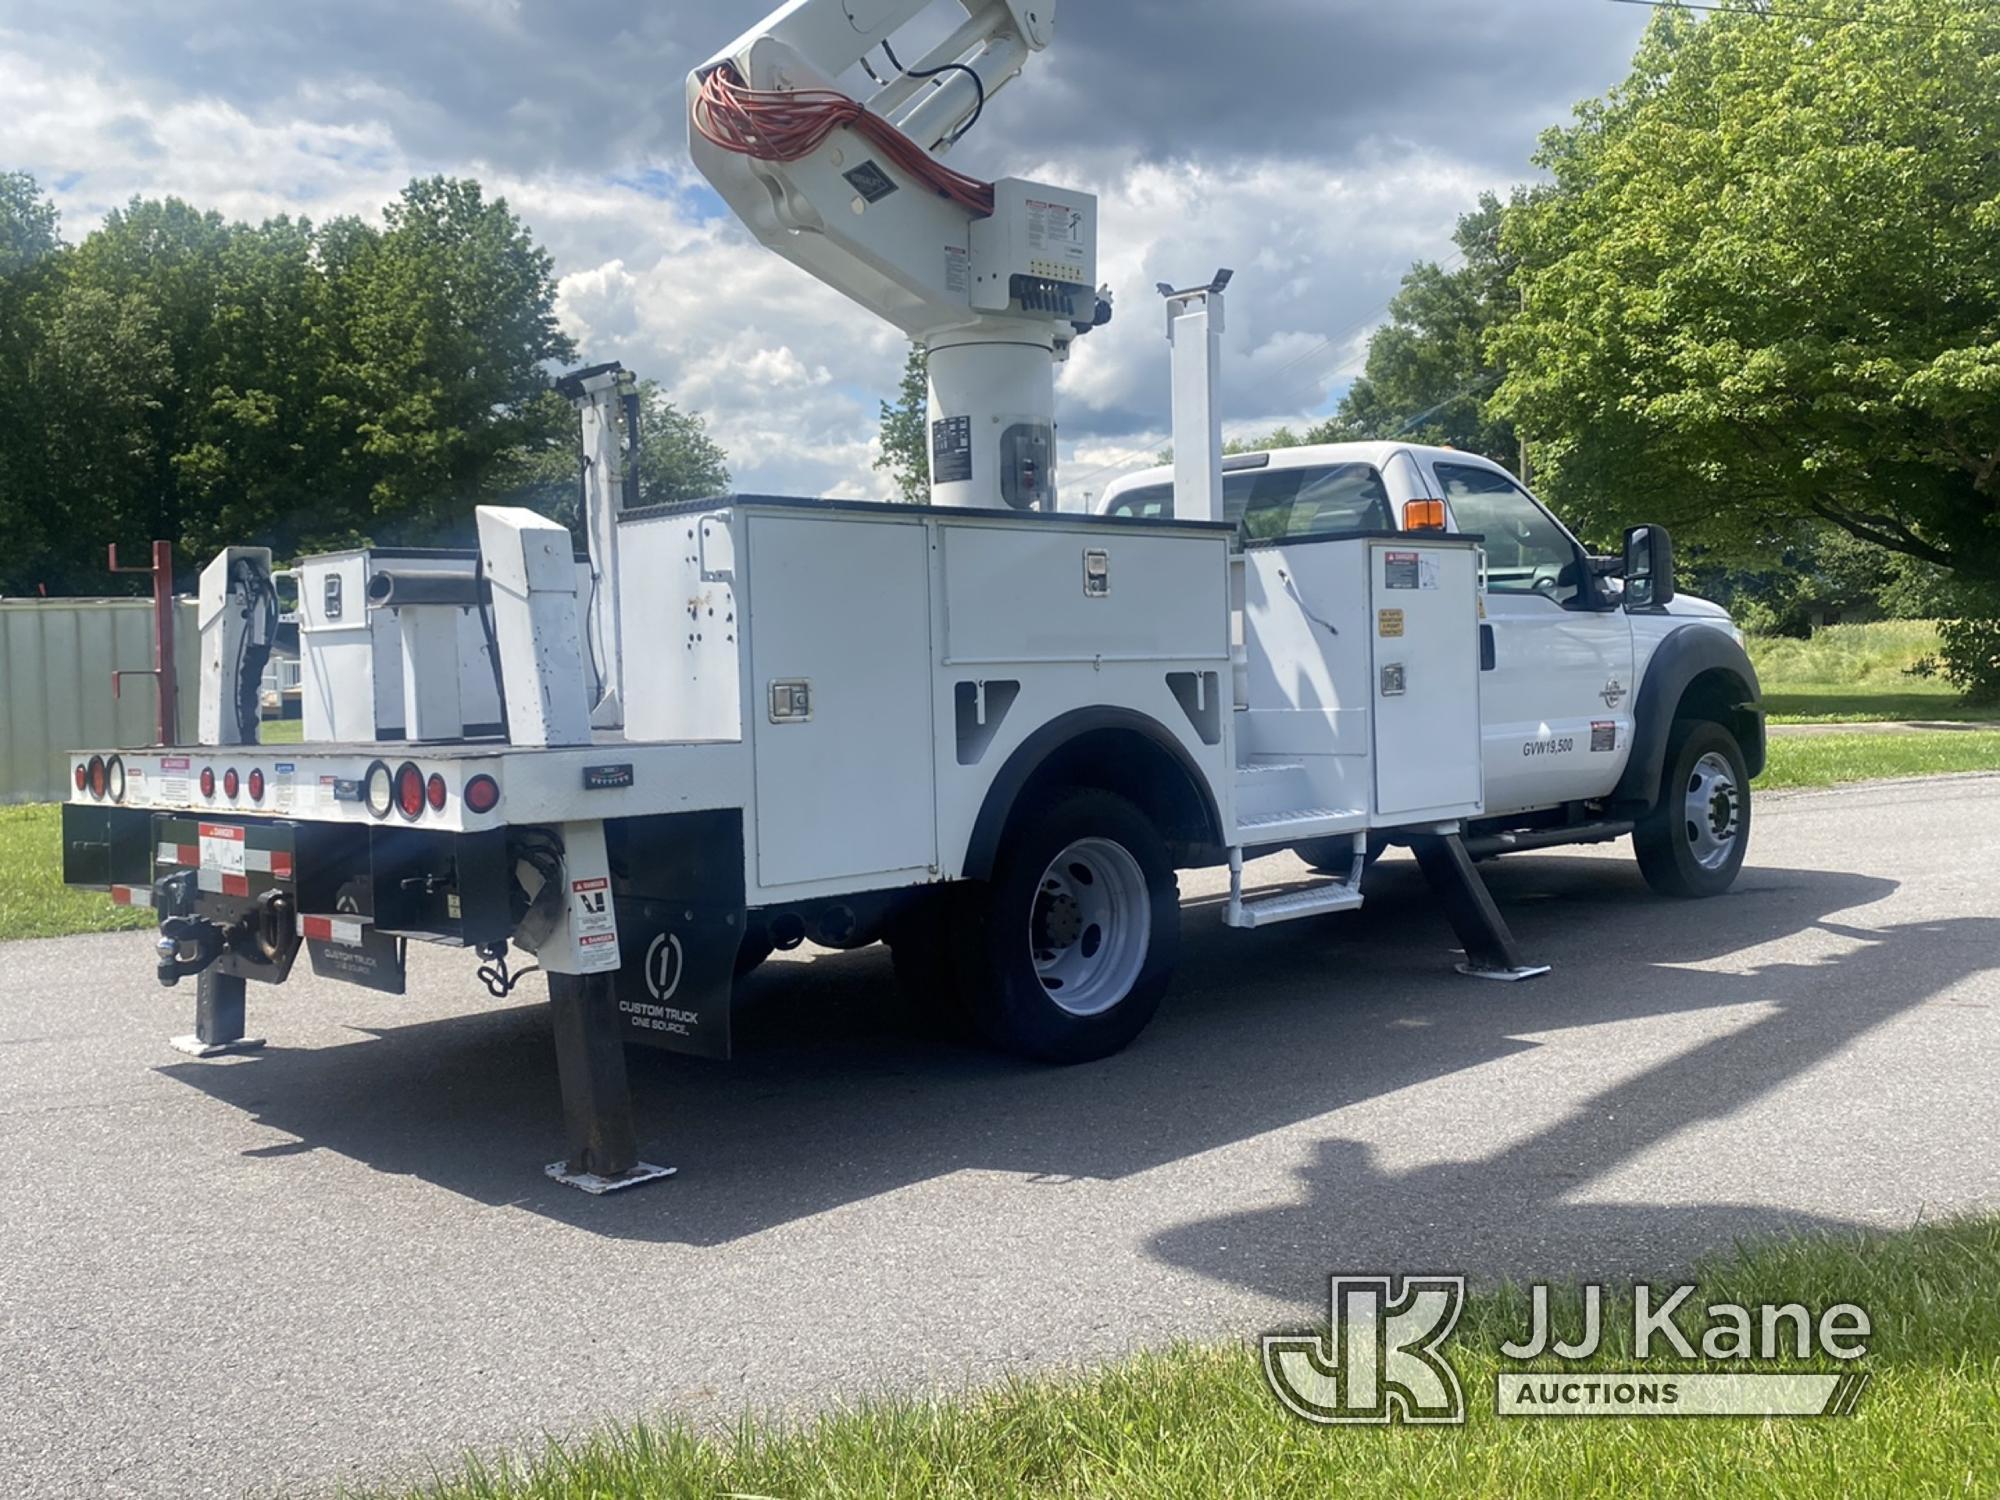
1274,504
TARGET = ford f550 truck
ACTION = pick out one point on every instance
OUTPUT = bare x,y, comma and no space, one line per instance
986,731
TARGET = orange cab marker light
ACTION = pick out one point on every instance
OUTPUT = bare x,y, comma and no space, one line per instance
1423,515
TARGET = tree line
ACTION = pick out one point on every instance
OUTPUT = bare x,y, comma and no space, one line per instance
297,385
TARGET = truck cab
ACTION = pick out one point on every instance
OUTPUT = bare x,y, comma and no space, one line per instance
1586,683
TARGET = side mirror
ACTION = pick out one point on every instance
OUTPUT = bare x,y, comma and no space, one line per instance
1649,568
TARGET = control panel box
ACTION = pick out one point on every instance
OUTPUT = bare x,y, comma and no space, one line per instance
1037,237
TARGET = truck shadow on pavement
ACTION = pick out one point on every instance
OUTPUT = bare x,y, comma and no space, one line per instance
836,1098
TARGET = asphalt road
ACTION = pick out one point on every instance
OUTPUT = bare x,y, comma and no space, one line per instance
339,1261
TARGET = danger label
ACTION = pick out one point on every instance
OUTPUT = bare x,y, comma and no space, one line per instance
1400,570
593,925
222,848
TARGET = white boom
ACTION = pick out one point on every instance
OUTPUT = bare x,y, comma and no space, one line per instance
995,281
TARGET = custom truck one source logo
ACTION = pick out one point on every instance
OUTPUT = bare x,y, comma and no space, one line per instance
1383,1359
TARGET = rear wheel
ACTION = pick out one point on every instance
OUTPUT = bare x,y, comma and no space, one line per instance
1692,843
1067,950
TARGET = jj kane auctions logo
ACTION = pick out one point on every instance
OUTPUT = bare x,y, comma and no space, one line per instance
1383,1361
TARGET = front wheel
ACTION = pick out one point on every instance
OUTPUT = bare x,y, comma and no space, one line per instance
1071,944
1692,844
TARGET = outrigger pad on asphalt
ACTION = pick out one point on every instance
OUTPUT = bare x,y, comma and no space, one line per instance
597,1186
194,1046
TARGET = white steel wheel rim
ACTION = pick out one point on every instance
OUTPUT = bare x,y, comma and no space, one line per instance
1714,811
1091,926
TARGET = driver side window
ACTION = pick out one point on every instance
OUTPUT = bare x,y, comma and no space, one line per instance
1526,552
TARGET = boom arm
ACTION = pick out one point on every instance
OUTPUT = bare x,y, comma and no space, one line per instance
996,280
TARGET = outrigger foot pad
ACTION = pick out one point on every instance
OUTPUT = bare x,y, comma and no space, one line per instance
1490,950
597,1186
194,1046
1507,976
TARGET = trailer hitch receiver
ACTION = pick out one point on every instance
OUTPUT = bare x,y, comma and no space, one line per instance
187,946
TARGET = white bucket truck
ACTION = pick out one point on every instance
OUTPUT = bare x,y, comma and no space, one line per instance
984,731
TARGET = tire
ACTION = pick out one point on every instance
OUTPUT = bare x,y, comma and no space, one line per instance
756,947
1064,954
922,943
1692,843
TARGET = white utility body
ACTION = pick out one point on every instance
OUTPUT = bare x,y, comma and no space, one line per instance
986,731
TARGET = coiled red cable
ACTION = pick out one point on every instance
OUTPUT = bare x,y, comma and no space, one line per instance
791,124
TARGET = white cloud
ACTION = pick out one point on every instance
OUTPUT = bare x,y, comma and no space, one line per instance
328,111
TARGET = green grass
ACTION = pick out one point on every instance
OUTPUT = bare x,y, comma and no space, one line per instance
34,903
1198,1421
1857,674
1818,760
281,732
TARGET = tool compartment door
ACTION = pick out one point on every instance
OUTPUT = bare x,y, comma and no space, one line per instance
840,613
1424,624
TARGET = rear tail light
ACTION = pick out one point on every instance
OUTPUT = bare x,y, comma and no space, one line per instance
379,787
256,784
231,783
208,781
434,792
97,777
114,778
82,778
482,794
410,790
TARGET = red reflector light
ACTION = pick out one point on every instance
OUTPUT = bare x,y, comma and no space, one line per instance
410,790
256,784
82,777
231,783
208,781
97,777
482,794
434,792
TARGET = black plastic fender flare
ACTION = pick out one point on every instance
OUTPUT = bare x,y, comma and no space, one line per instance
1004,792
1677,661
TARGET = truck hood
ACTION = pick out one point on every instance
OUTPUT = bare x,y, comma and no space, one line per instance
1694,607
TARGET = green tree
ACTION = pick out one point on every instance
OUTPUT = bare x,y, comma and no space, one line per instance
28,223
446,333
1765,287
906,447
1430,375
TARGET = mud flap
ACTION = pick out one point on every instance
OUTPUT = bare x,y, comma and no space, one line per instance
677,883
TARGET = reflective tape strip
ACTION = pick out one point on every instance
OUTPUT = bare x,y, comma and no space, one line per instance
208,880
281,865
131,895
179,854
331,929
168,854
235,885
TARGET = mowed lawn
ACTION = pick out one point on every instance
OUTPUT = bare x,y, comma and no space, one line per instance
1198,1421
1856,674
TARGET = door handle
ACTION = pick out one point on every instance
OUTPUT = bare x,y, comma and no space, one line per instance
1489,656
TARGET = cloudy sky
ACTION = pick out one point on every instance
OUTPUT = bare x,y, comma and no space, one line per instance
1317,146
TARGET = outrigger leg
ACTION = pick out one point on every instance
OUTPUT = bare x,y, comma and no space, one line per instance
596,1094
218,1018
1490,950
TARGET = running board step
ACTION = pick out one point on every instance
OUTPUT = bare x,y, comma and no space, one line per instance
1263,830
1290,907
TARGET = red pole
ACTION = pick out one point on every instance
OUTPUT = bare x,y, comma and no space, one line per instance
163,640
167,700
